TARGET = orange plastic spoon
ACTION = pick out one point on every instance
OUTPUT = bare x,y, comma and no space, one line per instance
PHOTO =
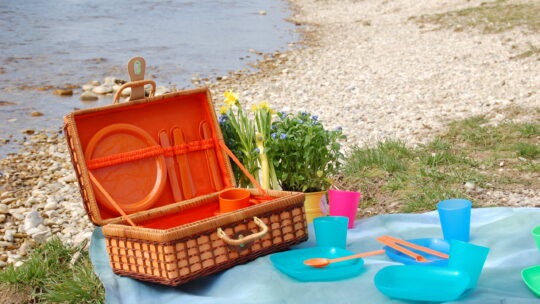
322,262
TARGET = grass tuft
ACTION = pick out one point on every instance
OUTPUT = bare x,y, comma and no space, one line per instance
491,17
471,151
50,277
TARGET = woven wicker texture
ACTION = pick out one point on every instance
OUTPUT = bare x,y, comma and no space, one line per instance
177,262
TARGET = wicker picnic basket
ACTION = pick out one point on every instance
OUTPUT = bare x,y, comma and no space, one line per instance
174,241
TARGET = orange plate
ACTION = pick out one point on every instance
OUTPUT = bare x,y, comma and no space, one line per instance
134,185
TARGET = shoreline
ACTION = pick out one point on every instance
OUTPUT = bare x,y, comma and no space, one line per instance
361,65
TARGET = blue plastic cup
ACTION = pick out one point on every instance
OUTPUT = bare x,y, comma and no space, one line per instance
331,231
468,258
455,217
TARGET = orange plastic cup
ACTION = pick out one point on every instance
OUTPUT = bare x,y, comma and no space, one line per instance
234,199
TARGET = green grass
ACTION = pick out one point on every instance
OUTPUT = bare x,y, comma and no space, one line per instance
470,151
49,277
488,17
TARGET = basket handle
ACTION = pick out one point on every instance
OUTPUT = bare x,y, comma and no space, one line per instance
133,85
246,239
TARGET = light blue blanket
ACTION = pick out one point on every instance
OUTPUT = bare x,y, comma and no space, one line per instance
505,230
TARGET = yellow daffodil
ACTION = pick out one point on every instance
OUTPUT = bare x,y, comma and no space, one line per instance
272,111
254,108
230,97
264,105
224,109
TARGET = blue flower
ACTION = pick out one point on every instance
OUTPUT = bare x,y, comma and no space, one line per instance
339,129
314,117
223,118
273,135
314,123
304,113
257,150
283,113
274,127
283,136
300,121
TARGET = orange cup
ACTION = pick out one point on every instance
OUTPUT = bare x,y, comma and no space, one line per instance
234,199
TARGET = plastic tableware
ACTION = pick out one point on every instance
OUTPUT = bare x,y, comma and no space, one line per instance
323,262
531,276
292,264
432,243
419,283
536,236
414,255
171,170
136,185
206,133
455,217
468,258
344,203
188,187
331,231
234,199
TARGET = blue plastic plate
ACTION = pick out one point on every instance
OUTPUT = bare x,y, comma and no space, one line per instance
419,283
435,244
291,263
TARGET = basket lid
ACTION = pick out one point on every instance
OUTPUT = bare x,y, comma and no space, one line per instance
147,153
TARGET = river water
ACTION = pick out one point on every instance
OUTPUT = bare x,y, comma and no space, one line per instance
63,42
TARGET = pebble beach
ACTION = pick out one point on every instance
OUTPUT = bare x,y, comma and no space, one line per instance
365,66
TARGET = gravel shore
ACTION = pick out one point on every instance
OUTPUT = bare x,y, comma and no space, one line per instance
363,66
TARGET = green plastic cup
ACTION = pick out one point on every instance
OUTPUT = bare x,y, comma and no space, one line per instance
536,236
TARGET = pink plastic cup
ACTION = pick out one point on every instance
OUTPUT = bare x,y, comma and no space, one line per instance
344,203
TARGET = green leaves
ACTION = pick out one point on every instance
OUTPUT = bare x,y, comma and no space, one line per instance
304,154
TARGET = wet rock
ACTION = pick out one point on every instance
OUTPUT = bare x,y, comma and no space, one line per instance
262,13
28,131
36,114
102,89
63,92
87,87
88,96
95,83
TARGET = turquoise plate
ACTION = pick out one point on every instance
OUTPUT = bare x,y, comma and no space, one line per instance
291,263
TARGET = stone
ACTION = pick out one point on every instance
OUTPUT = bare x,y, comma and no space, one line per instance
68,178
2,218
102,89
469,186
36,114
18,264
9,236
32,220
28,131
94,83
88,96
262,13
87,87
51,206
81,237
63,92
4,209
126,92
